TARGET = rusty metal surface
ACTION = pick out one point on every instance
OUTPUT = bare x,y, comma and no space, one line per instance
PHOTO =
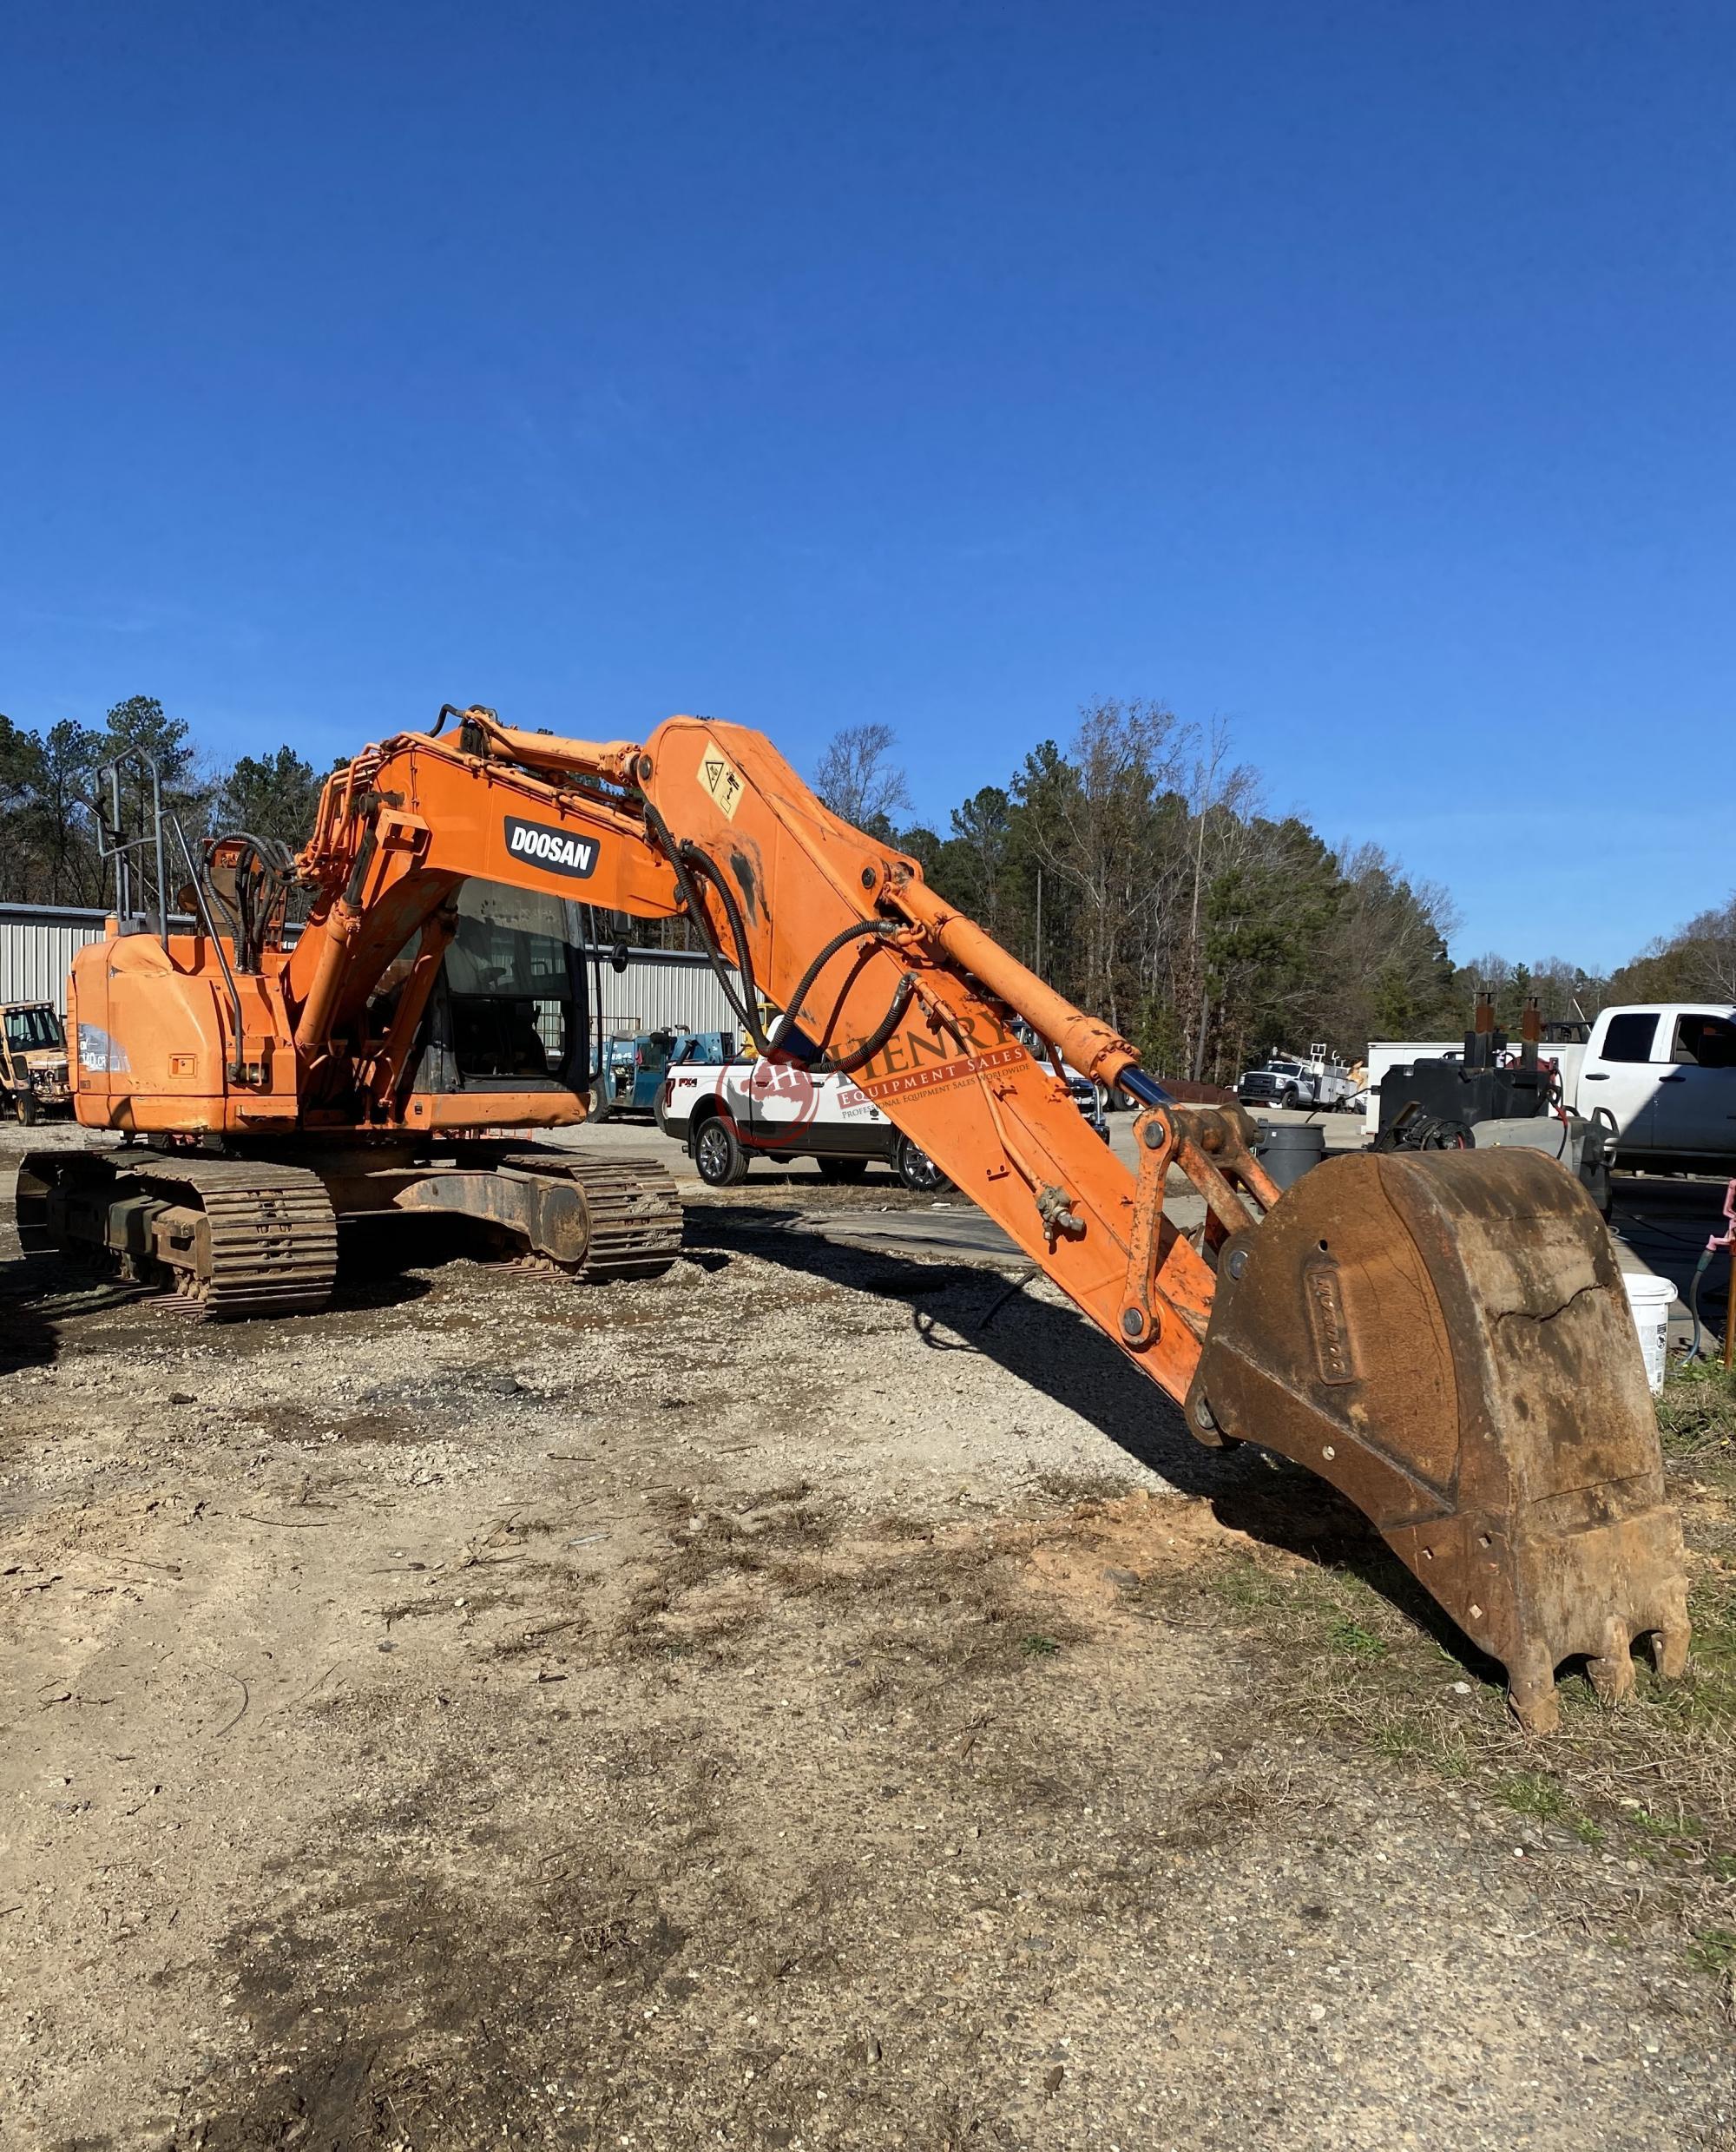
596,1218
1446,1338
1168,1291
632,1211
548,1220
263,1240
232,1238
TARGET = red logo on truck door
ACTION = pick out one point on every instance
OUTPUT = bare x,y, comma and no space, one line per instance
772,1085
929,1061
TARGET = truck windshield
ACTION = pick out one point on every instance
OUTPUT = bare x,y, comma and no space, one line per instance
30,1029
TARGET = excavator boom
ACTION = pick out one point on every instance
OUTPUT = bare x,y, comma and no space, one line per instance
1442,1336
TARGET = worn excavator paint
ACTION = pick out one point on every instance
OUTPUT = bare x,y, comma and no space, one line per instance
1441,1335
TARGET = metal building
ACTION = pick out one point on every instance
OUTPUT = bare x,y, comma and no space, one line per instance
36,942
659,990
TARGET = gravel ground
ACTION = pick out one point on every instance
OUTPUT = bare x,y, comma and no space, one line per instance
763,1707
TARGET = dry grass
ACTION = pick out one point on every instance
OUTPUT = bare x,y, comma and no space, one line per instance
1638,1804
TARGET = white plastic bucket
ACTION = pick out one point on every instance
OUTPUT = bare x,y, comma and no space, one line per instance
1650,1299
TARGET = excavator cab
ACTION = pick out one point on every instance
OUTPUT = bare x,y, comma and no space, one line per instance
511,1009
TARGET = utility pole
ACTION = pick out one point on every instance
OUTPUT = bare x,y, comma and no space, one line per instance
1038,966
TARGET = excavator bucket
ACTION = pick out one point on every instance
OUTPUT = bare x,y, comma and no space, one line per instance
1444,1337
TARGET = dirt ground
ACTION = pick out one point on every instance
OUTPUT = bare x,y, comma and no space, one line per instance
775,1707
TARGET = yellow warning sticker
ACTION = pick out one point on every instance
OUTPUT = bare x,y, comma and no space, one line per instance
721,781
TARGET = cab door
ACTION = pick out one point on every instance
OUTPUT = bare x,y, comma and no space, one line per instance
1621,1073
1696,1104
778,1103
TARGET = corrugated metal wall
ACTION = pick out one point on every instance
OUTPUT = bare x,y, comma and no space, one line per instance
36,942
656,992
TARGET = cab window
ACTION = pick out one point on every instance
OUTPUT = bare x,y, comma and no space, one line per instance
1704,1042
29,1030
1629,1037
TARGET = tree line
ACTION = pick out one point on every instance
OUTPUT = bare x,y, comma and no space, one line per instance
50,849
1137,869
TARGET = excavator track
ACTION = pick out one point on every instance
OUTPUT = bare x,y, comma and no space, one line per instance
632,1208
273,1237
230,1238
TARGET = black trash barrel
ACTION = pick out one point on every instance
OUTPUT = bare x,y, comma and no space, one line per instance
1288,1149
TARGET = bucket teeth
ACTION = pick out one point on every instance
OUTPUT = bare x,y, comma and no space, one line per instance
1611,1670
1444,1337
1532,1697
1669,1649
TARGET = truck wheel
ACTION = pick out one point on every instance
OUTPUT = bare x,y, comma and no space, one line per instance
1291,1099
841,1170
30,1111
717,1155
917,1169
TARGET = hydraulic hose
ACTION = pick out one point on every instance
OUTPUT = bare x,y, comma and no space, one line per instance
747,1012
688,860
1699,1271
857,931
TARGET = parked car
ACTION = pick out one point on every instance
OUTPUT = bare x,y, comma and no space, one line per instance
727,1116
33,1078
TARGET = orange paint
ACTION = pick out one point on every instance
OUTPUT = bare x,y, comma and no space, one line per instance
402,827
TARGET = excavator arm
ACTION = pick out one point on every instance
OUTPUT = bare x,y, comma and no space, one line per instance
1442,1336
838,931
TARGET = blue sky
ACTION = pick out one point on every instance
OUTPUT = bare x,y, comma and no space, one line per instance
1359,373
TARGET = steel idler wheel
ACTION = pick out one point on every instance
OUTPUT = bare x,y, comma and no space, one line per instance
1444,1337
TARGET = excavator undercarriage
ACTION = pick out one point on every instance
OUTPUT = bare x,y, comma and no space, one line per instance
1442,1336
227,1238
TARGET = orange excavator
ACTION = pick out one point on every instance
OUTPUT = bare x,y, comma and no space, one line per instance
1442,1336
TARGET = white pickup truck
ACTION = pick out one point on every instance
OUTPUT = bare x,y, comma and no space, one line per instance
728,1116
1664,1072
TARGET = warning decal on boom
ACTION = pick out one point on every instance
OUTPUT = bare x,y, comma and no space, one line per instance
722,783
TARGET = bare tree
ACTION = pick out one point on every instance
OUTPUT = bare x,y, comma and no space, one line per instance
1095,823
1222,800
1710,937
858,781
